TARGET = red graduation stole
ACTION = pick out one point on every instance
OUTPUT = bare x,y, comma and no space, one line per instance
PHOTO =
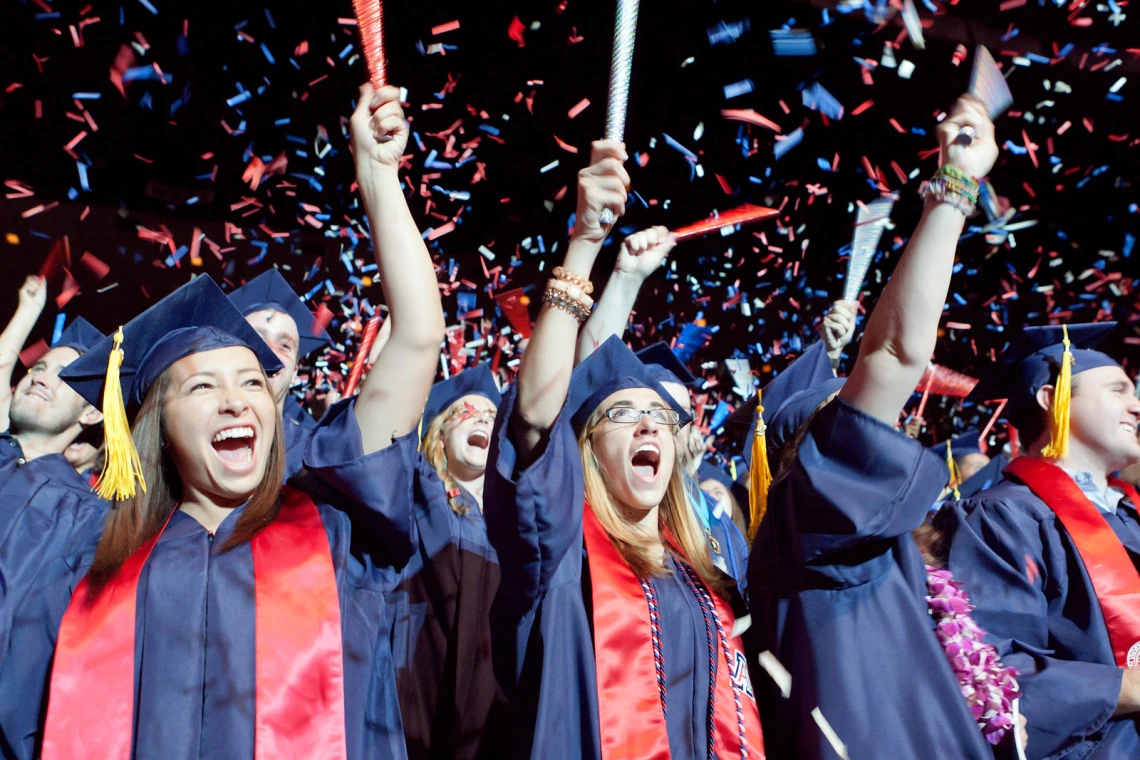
1114,577
300,666
629,703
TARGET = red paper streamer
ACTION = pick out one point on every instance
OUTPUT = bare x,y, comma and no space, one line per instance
943,381
514,307
370,331
746,214
370,21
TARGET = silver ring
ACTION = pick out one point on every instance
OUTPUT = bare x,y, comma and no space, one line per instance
606,217
965,136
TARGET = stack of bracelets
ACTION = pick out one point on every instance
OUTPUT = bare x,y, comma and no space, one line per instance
569,292
953,186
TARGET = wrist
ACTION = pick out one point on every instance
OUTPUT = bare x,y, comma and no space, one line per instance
580,256
374,176
623,279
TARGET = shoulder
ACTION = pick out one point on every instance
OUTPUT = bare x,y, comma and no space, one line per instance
1008,498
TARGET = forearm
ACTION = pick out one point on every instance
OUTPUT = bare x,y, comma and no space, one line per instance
1129,701
393,395
611,313
902,330
12,341
544,373
404,265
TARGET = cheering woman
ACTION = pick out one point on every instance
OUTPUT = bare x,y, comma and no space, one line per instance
614,631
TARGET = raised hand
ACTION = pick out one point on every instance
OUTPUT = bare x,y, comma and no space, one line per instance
977,158
379,131
601,185
643,252
33,294
839,326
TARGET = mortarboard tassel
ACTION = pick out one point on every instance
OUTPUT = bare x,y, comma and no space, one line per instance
121,464
955,473
1058,447
761,475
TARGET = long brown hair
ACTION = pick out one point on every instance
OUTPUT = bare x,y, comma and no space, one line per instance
432,447
674,513
133,522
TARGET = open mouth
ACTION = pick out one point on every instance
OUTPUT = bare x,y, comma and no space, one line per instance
234,446
646,461
479,439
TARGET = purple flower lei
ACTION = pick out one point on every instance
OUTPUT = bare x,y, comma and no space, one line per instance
989,689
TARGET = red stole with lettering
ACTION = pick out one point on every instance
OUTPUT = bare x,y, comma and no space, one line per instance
1114,577
629,703
300,666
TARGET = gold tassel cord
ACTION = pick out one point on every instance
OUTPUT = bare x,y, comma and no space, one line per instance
1058,447
121,466
955,472
760,476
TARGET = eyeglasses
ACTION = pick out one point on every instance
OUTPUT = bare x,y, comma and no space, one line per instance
468,412
626,415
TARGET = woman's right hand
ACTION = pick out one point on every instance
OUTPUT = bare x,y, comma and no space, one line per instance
33,294
601,185
643,252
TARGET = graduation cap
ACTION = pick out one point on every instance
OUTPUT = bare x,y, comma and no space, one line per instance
1039,356
116,373
611,368
959,446
270,291
784,405
953,449
709,471
478,381
665,366
80,335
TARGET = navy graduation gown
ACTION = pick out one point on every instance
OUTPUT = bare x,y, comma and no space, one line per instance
838,592
544,650
450,701
1037,605
194,640
295,412
297,426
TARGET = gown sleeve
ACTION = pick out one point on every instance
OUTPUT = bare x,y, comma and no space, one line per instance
1014,567
375,490
857,485
534,517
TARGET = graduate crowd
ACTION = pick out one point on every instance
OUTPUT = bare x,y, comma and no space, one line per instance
192,566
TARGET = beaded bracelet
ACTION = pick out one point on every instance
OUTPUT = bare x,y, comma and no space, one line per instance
560,300
565,275
952,186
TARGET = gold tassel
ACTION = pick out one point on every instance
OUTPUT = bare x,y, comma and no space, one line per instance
761,475
121,465
1058,447
955,473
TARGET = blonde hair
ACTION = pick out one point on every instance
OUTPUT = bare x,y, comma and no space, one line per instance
432,447
674,513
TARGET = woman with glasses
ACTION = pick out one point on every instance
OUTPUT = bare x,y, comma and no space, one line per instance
450,701
614,631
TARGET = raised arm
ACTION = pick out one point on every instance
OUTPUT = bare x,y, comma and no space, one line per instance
901,332
29,306
393,396
640,255
544,373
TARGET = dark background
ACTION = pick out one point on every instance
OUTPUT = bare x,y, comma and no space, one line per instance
1085,211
